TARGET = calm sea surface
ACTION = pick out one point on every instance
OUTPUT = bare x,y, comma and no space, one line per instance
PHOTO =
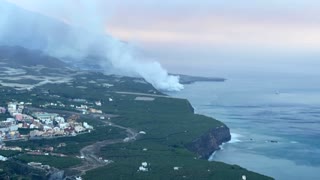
275,123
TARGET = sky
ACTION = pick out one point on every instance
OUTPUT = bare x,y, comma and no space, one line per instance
206,37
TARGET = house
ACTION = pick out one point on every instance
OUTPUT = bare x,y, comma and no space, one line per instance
141,168
2,158
98,103
79,129
95,111
19,117
59,119
32,126
63,125
44,115
2,110
12,107
87,126
35,133
47,128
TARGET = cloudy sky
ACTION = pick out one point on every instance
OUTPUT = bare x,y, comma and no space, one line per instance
206,37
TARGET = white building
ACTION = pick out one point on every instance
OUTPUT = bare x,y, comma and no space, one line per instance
63,125
59,119
98,103
79,129
87,126
144,164
141,168
12,107
47,128
2,158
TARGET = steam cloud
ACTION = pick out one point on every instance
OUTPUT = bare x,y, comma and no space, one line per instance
82,39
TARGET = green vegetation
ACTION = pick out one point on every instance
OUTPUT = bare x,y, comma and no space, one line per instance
170,124
58,162
3,117
9,153
164,118
162,161
14,170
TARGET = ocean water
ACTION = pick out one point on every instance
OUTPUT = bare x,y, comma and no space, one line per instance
275,123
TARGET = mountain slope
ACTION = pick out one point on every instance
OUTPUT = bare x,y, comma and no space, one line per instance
19,56
20,27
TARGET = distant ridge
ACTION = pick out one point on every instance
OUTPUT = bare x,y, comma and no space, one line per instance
187,79
19,56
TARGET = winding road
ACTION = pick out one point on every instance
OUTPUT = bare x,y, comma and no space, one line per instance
89,153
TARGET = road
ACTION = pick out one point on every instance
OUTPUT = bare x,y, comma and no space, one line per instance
89,153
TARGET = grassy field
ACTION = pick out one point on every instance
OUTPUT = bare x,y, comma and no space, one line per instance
9,153
58,162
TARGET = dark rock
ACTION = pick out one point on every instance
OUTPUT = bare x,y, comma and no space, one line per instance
273,141
209,142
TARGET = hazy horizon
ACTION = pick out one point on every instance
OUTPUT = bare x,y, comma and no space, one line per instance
205,37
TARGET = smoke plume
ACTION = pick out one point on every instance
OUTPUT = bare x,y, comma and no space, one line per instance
76,31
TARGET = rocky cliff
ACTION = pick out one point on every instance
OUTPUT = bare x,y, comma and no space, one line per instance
209,142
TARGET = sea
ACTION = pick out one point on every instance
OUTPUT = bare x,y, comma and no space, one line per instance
274,122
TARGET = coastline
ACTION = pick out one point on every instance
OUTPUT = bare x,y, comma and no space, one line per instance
252,110
234,139
210,142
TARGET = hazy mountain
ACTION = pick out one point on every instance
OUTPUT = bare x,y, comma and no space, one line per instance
19,56
20,27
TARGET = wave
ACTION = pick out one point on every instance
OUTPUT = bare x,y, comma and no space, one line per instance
235,138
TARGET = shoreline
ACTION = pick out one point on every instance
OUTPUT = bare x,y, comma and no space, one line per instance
234,139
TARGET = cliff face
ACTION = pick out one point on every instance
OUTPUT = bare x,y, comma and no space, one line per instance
209,142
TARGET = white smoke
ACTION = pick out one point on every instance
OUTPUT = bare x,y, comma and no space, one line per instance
20,27
123,59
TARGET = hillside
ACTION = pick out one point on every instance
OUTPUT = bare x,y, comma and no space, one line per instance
140,124
19,56
28,29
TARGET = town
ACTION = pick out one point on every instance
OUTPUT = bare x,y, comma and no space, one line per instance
40,124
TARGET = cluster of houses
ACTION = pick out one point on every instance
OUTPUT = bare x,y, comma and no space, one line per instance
39,165
9,127
86,110
83,108
40,124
